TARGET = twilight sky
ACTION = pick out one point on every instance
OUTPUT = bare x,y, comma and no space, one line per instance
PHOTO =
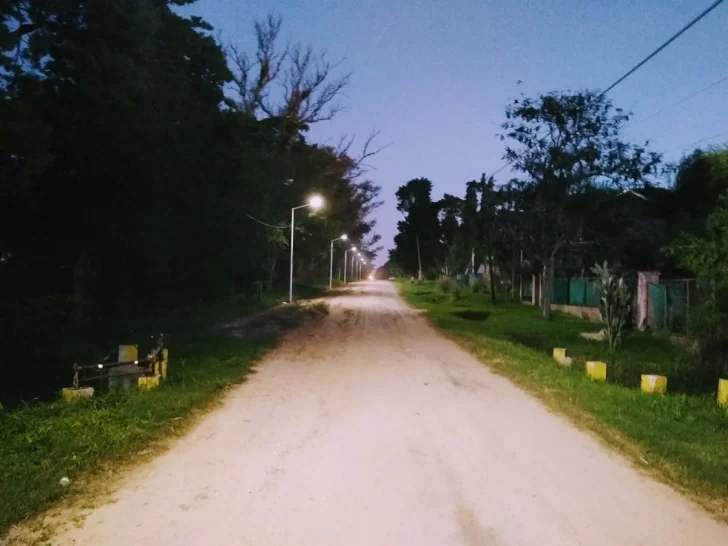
434,75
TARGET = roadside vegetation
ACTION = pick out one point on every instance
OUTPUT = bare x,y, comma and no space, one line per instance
681,437
41,443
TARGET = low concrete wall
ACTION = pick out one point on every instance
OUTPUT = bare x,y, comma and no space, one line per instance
590,313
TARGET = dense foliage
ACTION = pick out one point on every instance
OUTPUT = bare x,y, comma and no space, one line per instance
142,164
135,166
706,255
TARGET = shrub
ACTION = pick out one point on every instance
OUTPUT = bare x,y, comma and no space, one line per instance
476,284
456,292
444,284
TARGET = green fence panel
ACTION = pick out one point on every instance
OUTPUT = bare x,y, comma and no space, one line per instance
591,293
669,306
560,291
577,292
677,306
658,295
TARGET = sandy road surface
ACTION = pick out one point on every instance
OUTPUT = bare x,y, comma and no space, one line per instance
369,429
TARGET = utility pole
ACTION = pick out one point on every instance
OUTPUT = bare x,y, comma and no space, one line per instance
419,259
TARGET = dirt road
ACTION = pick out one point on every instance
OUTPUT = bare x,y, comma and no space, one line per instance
370,429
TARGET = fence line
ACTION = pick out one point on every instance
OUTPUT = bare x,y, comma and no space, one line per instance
671,301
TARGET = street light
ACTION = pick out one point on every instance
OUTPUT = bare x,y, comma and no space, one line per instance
315,202
352,249
344,237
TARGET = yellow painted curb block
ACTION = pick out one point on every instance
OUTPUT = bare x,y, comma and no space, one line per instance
597,370
72,394
164,363
559,354
148,382
654,384
128,353
723,392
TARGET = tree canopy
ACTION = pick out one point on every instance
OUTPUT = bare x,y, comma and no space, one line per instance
140,160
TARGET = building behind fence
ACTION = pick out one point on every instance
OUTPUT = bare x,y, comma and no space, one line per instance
667,302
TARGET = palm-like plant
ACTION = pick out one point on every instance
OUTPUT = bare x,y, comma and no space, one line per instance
615,303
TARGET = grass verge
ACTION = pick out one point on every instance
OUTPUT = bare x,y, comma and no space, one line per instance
42,442
681,439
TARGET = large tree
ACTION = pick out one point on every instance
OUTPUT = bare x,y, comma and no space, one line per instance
128,176
564,144
418,243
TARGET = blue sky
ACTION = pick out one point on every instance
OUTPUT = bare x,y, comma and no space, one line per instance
435,75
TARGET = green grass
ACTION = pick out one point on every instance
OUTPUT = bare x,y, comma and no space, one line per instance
42,442
682,437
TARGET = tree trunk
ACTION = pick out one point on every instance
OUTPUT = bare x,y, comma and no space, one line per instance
491,278
548,282
419,260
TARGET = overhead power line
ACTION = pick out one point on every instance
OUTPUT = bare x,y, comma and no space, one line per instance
499,170
691,146
681,101
663,46
265,224
650,56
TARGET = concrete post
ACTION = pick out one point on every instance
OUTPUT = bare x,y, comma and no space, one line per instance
644,301
127,353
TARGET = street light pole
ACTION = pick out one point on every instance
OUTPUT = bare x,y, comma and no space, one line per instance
315,202
352,249
331,266
290,277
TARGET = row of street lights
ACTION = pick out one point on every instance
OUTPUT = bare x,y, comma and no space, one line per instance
355,266
316,202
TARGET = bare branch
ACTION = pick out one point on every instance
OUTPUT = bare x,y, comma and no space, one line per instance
253,78
344,145
360,166
310,91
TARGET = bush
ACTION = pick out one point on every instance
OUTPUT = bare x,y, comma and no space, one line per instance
456,292
476,284
445,284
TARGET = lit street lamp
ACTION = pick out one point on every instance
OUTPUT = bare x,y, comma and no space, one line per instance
315,202
352,249
331,267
